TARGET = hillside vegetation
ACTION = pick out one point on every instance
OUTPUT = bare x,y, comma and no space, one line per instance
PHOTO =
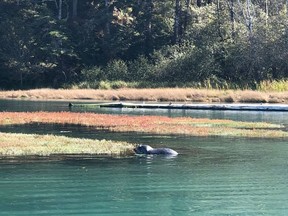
89,43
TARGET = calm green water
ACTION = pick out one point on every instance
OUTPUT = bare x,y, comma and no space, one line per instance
210,176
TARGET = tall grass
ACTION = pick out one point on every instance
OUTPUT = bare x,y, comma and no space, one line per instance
152,94
273,85
210,83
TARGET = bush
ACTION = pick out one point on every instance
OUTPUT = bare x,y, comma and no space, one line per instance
92,74
118,84
116,70
141,69
104,85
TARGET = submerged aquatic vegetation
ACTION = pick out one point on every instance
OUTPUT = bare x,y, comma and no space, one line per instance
149,124
47,145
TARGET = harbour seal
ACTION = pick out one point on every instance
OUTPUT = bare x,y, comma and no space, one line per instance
146,149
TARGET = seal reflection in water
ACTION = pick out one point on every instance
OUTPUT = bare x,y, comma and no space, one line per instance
146,149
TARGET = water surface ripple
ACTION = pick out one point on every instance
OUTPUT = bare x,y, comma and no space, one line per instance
209,177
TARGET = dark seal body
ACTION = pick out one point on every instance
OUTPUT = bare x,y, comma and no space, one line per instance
146,149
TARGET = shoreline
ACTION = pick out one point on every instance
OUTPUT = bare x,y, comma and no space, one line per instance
153,95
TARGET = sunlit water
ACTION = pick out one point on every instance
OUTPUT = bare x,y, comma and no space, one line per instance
210,176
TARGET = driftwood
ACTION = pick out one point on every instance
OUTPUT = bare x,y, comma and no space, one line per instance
195,106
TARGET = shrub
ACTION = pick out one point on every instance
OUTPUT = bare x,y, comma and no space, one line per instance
118,84
141,69
104,85
92,74
116,70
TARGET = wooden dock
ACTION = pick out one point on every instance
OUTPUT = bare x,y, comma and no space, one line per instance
194,106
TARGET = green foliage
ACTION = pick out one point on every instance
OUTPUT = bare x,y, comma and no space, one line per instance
116,70
118,84
135,42
92,74
104,85
141,69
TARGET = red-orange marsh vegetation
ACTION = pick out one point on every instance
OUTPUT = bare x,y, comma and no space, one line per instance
148,124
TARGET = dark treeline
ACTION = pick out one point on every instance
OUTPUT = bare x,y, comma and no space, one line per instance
53,43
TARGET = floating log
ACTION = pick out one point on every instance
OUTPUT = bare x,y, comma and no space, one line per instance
239,107
195,106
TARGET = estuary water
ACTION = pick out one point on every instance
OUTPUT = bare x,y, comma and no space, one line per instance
50,106
210,176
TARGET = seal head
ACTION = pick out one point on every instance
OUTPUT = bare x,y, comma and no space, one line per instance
146,149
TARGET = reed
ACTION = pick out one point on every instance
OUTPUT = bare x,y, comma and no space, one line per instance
149,124
249,96
273,85
157,94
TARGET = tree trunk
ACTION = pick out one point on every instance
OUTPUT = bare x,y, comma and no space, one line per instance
185,24
148,27
107,25
60,10
266,8
219,21
232,18
177,18
199,3
75,8
107,33
249,18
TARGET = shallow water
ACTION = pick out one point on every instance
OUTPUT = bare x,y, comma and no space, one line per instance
51,106
223,177
210,176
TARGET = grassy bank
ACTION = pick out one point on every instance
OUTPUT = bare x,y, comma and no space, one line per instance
160,94
149,124
13,145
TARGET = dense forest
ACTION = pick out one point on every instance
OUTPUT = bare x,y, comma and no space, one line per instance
60,43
